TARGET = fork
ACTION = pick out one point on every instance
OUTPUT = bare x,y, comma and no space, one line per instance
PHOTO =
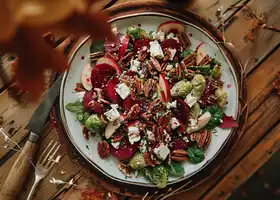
44,165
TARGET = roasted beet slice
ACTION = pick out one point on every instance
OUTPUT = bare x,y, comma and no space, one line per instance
129,102
101,74
130,73
110,90
91,105
141,43
181,112
178,144
171,43
124,152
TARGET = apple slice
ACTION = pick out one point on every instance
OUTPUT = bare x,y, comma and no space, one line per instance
164,85
125,43
110,90
109,61
200,52
85,77
171,27
160,93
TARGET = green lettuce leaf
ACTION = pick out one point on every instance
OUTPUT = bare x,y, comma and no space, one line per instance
195,154
176,169
75,107
97,46
216,116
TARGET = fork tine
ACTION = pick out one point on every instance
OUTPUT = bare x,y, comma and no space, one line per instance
42,156
50,159
52,163
48,154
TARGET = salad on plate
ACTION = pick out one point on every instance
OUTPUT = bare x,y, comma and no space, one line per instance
154,101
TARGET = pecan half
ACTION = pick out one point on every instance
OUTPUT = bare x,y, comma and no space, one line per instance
103,149
155,64
167,54
163,66
217,83
190,58
79,87
125,61
205,61
113,56
159,134
96,55
148,159
203,138
125,169
133,112
142,55
167,118
184,40
179,155
154,103
86,132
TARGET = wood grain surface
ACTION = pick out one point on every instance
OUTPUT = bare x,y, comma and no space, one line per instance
259,142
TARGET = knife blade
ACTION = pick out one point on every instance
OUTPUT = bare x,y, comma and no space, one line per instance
37,122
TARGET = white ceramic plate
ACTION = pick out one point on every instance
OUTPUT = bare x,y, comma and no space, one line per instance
88,148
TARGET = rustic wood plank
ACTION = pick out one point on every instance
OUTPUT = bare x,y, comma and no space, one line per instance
262,41
247,166
266,116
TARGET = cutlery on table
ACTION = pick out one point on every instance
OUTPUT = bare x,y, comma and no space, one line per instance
20,169
43,166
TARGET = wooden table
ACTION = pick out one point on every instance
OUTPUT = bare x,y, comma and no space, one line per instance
259,142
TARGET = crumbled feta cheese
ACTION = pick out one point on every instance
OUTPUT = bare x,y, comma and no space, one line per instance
116,145
168,67
193,122
133,134
171,105
123,90
177,39
80,95
190,100
174,123
114,106
186,139
151,136
134,65
143,146
112,114
155,49
162,151
173,52
158,35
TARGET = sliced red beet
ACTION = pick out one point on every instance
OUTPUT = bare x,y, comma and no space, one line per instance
101,74
170,43
124,152
178,144
129,102
181,112
110,90
139,44
97,108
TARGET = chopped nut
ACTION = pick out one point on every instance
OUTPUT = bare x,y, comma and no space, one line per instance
96,55
155,64
184,40
125,169
103,149
114,56
179,155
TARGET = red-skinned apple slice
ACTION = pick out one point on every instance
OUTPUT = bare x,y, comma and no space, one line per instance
181,112
110,90
125,43
160,93
164,85
85,77
171,27
200,52
109,61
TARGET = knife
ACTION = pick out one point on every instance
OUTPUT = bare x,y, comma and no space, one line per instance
20,169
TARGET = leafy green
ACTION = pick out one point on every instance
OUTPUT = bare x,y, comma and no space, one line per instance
176,169
137,161
82,116
157,175
136,32
195,154
217,72
93,123
97,46
75,107
186,53
204,69
216,116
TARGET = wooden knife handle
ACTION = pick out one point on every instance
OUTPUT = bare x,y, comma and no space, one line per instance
18,172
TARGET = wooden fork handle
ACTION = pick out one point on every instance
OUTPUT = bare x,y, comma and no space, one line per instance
18,172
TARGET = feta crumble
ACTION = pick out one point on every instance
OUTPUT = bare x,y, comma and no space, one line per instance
123,90
155,50
173,52
134,65
174,123
116,145
151,136
162,151
158,35
169,67
190,100
114,106
167,137
80,95
143,146
171,105
133,134
112,114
